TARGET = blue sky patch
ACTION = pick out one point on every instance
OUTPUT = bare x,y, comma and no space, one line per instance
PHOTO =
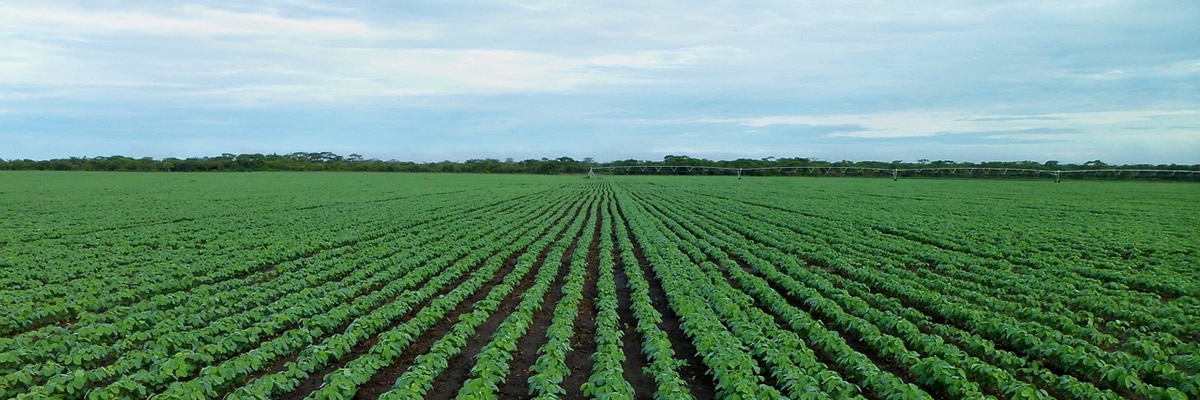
428,81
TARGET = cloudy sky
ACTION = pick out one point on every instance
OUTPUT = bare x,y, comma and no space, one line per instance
431,80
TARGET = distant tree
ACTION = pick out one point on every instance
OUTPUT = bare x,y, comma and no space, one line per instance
328,161
250,162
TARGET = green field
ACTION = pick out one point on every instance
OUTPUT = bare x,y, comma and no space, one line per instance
408,286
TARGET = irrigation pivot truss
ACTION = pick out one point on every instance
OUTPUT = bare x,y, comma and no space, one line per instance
897,172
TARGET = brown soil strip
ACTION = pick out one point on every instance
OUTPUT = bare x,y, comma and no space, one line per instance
693,373
459,369
855,342
768,378
516,384
280,364
315,380
583,344
644,385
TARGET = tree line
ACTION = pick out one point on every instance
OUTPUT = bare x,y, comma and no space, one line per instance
327,161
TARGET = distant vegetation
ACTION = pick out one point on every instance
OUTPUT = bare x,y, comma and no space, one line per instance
327,161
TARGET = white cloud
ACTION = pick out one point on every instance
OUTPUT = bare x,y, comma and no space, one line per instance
297,74
1188,69
263,56
195,21
662,59
1036,137
932,123
1106,76
28,62
1004,75
1182,69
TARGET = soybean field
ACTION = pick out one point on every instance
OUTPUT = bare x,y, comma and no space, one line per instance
443,286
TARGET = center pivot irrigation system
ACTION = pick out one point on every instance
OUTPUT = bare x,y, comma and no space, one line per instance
897,172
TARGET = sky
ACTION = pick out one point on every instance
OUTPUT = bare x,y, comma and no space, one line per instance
1073,81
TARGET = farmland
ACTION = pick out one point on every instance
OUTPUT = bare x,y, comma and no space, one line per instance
409,286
